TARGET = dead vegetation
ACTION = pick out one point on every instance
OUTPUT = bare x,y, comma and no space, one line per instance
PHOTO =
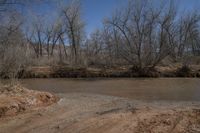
112,72
138,34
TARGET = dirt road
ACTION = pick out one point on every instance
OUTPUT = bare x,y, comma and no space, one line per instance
89,113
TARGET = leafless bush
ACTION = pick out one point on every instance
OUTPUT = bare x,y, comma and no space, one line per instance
139,34
12,48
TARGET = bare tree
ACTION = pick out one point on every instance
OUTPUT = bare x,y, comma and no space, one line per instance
12,47
35,35
53,32
143,32
5,4
94,47
188,34
74,27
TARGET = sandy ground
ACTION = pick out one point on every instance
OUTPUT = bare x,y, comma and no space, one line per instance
15,99
89,113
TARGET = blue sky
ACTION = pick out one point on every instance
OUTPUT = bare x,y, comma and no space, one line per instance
95,10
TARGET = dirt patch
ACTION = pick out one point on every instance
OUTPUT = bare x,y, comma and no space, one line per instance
15,99
173,121
89,113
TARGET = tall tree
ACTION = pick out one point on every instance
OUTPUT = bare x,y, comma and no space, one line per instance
74,27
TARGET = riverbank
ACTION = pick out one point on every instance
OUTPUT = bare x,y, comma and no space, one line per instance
88,113
15,99
114,72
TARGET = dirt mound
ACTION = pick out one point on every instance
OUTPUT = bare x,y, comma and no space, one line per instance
15,99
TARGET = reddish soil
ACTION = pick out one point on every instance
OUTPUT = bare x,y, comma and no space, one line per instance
15,99
89,113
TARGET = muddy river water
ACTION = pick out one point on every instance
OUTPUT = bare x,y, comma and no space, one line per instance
173,89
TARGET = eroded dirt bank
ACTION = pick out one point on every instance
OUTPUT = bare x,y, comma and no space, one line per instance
83,113
15,99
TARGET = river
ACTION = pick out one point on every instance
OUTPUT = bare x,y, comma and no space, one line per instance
169,89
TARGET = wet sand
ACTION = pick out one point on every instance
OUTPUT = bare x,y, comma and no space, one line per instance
89,113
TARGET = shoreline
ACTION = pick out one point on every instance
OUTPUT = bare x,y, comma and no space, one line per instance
119,72
81,112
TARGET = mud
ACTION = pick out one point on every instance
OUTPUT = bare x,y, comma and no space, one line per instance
89,113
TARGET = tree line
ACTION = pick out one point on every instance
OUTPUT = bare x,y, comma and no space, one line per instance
140,34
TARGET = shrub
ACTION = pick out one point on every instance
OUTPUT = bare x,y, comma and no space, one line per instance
184,71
